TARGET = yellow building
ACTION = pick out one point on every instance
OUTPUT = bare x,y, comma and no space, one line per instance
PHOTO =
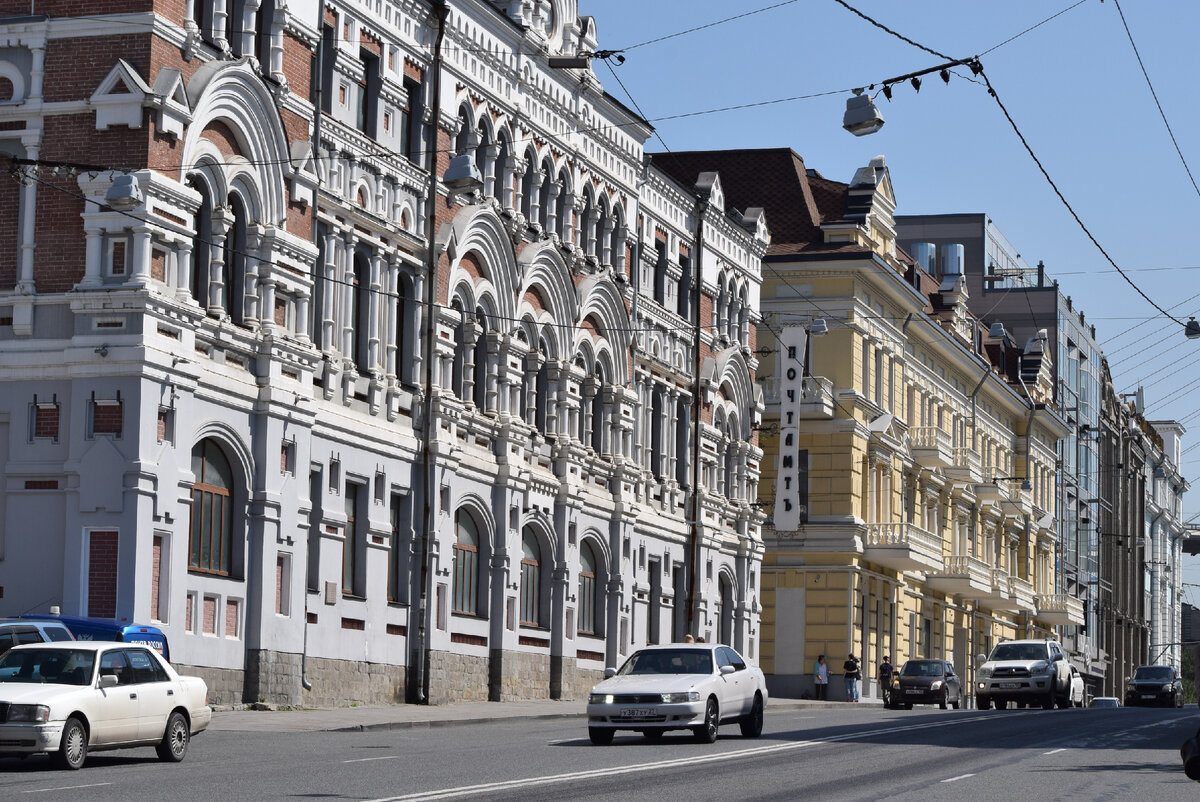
909,460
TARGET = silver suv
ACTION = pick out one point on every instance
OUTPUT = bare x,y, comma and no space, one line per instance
1028,672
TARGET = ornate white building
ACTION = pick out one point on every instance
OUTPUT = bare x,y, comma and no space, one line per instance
365,352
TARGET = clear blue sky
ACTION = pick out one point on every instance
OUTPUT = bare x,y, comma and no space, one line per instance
1074,88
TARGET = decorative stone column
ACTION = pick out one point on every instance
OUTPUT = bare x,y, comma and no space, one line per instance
222,221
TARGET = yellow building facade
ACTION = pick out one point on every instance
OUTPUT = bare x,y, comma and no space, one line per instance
910,458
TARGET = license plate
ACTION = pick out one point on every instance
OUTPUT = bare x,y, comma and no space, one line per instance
914,690
638,712
1010,685
1147,696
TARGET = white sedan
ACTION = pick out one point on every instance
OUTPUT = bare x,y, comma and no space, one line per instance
678,686
72,697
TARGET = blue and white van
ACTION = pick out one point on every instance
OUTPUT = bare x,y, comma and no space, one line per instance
111,629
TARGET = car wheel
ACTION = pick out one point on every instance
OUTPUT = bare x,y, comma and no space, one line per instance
601,736
957,701
908,705
751,726
72,749
1064,701
1048,702
174,744
945,700
706,733
983,702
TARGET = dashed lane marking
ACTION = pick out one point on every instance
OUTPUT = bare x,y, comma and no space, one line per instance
705,759
1055,751
369,759
63,788
959,777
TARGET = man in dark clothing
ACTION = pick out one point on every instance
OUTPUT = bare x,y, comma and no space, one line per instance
886,673
852,675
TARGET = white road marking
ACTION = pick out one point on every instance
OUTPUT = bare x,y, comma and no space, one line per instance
959,777
367,759
705,759
1054,751
64,788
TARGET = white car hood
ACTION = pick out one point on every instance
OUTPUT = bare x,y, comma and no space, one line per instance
41,693
650,683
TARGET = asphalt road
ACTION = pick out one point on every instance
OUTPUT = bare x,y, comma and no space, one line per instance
851,753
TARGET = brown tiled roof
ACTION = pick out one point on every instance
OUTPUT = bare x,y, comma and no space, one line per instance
796,201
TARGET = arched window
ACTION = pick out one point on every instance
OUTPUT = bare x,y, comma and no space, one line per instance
462,140
527,187
544,199
263,22
531,580
479,374
725,609
564,208
210,538
360,317
542,397
504,179
466,567
202,247
598,417
683,434
234,271
588,589
460,350
406,342
656,434
730,442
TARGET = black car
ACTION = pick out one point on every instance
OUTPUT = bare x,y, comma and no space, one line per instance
1156,686
926,682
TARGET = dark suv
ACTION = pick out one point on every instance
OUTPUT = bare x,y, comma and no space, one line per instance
1159,686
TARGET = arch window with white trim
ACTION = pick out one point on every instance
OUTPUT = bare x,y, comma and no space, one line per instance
211,527
465,592
532,609
590,613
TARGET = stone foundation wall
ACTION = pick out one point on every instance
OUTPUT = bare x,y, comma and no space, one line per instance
519,675
344,683
457,678
578,682
225,685
274,678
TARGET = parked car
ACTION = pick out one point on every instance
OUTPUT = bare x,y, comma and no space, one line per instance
16,631
927,682
1026,672
680,686
1157,686
67,699
1078,694
1106,701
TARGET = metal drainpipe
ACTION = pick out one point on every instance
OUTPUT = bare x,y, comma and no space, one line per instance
440,11
316,237
697,527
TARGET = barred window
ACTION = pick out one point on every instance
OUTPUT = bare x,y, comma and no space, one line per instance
466,567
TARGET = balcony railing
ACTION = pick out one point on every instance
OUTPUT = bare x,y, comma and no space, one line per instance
932,447
966,466
904,546
1059,608
816,398
969,576
1021,595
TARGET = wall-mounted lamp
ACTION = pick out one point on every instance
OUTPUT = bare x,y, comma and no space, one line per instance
1025,485
102,350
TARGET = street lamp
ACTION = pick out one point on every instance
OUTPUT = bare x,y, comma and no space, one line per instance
862,117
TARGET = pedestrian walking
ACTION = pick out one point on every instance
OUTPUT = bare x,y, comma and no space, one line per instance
852,675
886,673
821,678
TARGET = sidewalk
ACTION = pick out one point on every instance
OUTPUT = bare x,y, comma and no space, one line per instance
397,717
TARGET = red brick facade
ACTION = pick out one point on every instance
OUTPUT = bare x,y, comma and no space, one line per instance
102,574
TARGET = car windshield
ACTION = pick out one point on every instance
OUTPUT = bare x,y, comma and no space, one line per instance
921,668
1153,673
669,661
1019,651
59,666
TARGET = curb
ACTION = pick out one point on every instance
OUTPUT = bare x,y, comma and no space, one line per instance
429,723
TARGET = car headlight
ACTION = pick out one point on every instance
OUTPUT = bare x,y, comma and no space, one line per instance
1039,667
895,683
986,671
937,684
600,699
1168,688
38,714
685,696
